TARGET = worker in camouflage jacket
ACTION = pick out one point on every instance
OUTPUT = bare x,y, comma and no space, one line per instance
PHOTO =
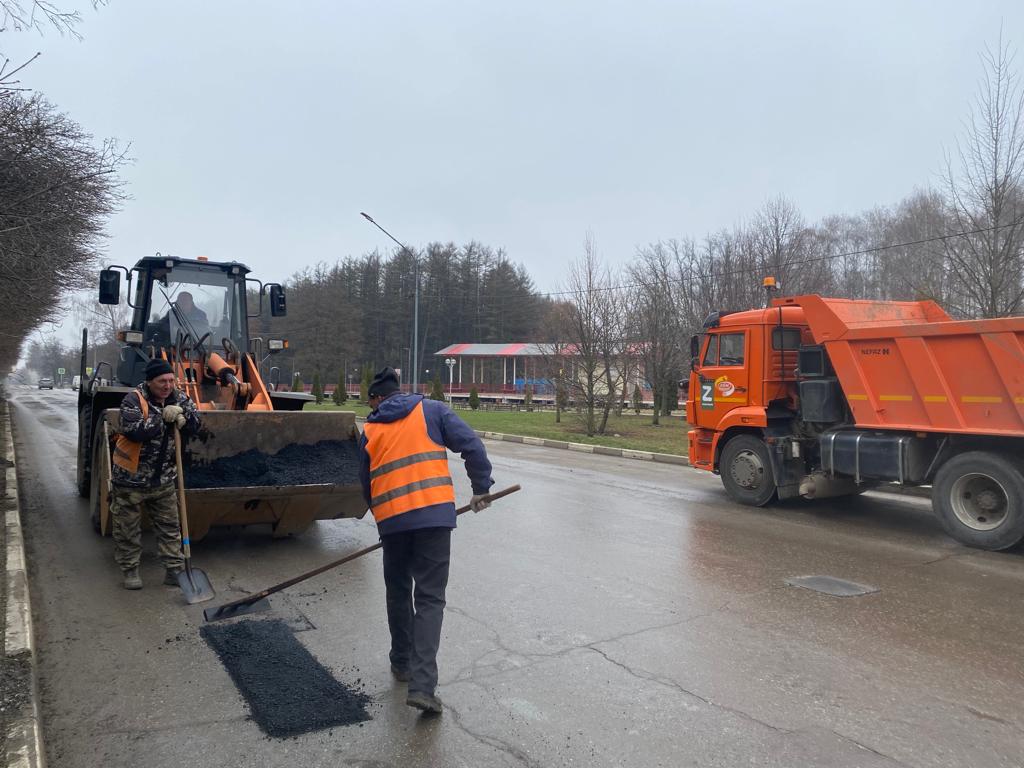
145,473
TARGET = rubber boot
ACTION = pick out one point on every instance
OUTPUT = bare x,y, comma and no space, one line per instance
427,702
132,580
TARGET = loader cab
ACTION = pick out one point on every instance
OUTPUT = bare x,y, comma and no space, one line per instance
183,303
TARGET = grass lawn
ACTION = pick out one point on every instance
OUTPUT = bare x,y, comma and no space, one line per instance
626,431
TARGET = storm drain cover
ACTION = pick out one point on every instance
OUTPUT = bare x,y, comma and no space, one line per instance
288,691
830,585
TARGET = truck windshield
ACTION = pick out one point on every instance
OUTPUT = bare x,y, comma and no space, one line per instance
207,302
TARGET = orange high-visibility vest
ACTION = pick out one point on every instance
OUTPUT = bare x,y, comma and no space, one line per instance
127,452
408,470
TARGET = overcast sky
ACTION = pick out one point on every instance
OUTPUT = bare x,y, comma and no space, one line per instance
259,131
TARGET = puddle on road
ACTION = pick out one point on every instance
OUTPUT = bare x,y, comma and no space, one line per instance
288,691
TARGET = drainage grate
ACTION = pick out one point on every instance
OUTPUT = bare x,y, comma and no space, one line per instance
830,585
288,691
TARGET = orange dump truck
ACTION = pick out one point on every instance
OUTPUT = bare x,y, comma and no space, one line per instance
818,397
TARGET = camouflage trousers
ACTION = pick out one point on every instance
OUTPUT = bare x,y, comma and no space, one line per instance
161,504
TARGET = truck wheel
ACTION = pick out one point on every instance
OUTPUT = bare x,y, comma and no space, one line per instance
979,497
746,471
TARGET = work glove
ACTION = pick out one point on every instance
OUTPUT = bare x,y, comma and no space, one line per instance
173,414
479,503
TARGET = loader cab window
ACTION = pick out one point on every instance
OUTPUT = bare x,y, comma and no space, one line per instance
725,349
193,304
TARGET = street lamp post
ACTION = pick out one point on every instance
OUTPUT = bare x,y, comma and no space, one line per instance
450,362
416,302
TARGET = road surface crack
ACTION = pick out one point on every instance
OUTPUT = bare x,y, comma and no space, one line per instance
493,742
872,750
669,683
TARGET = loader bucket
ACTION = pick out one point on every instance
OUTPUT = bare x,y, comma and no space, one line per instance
243,450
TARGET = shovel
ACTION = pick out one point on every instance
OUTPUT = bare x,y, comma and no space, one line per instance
258,601
193,582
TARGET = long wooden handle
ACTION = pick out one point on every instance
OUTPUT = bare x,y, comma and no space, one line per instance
186,548
316,571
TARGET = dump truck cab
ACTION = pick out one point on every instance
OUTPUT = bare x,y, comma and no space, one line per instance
817,397
743,375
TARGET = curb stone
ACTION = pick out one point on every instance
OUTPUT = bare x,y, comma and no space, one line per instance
624,453
24,735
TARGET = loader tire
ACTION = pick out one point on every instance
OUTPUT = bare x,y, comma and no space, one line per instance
84,451
746,470
979,498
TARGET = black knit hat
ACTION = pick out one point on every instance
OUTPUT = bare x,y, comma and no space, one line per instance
157,367
384,383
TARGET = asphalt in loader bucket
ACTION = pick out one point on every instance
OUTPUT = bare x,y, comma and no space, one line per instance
308,459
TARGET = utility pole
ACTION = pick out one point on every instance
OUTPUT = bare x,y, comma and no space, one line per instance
416,303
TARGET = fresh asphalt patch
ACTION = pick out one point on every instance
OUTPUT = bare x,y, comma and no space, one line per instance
288,691
325,462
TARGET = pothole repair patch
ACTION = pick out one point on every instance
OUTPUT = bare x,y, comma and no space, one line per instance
830,585
288,691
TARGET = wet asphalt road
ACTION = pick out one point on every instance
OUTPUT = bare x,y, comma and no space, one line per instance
613,613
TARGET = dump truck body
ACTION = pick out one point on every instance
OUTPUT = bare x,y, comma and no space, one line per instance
245,421
820,397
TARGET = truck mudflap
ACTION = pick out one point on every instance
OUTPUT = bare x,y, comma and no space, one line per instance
288,508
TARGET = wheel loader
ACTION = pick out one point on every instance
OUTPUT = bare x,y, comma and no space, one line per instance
194,313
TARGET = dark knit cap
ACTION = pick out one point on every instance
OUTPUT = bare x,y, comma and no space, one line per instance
157,367
384,383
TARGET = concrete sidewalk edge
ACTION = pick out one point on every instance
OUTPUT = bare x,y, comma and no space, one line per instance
24,734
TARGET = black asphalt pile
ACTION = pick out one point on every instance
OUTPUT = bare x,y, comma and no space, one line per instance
329,461
288,691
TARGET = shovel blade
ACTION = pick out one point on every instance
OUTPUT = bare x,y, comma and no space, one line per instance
230,610
195,586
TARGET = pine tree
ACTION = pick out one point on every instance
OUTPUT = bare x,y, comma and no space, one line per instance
436,388
637,399
364,385
318,388
297,385
340,396
474,398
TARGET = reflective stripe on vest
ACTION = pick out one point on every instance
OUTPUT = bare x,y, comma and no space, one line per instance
127,452
408,470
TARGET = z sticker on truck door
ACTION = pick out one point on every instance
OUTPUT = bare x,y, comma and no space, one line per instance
707,394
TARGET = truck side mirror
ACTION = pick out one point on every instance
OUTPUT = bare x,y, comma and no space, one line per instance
278,305
694,351
110,286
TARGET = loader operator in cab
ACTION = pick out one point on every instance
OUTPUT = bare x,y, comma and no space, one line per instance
198,320
408,487
144,472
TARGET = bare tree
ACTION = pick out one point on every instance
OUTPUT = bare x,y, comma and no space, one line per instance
656,318
986,195
56,191
22,15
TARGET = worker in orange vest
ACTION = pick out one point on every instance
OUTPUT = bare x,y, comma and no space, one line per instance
408,487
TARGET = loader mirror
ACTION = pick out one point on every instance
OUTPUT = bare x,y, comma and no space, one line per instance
278,305
110,286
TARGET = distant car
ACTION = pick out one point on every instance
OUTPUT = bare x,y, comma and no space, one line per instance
76,382
46,383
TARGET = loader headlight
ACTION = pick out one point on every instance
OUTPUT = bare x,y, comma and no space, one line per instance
276,345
